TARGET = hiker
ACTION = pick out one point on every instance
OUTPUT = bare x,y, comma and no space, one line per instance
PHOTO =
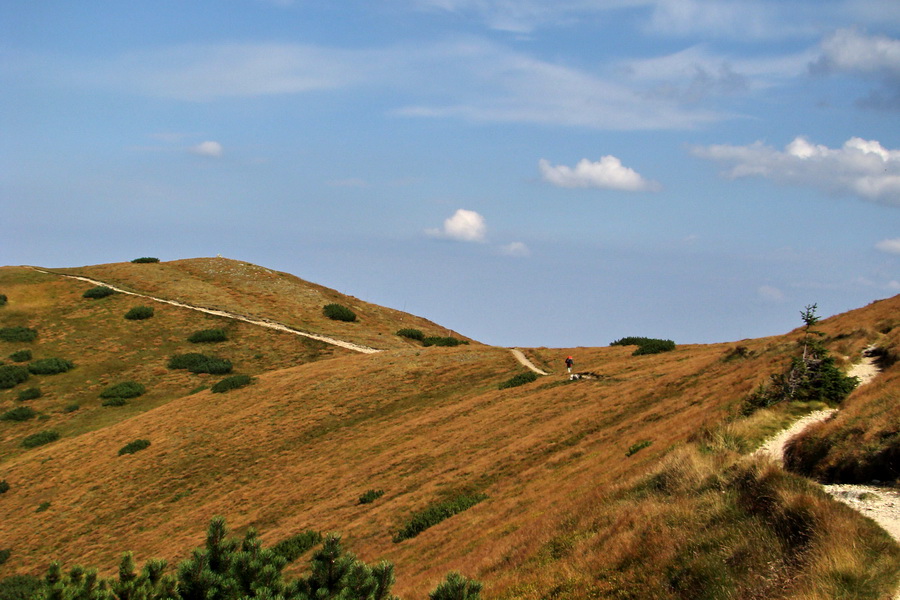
569,363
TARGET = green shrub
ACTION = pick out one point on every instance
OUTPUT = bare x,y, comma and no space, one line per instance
135,446
12,375
436,513
146,259
18,334
70,408
139,313
43,506
126,389
3,300
100,291
654,347
371,496
208,336
114,402
442,341
50,366
40,438
456,587
29,394
635,448
517,380
231,383
291,548
21,587
413,334
339,312
4,555
20,356
200,363
19,413
645,345
4,486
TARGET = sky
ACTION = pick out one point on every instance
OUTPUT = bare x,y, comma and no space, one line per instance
554,173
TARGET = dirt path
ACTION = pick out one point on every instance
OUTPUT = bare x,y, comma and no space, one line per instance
881,504
228,315
520,356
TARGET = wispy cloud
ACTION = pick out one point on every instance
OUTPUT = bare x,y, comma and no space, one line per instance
208,148
891,246
861,168
463,226
517,249
770,293
606,173
480,81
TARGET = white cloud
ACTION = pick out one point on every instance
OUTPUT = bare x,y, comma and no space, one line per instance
862,168
730,19
893,284
607,173
518,249
852,50
875,57
891,246
771,293
208,148
463,226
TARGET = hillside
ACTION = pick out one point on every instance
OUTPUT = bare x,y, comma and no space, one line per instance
627,485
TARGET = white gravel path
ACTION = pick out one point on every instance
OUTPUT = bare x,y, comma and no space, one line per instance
879,503
520,356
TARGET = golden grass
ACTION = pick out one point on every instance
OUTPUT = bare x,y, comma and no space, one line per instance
568,514
251,290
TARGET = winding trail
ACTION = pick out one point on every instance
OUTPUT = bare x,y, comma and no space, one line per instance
227,315
879,503
520,356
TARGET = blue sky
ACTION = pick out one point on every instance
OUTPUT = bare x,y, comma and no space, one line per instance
529,172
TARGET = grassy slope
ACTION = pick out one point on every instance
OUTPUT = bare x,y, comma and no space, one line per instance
568,513
252,290
108,349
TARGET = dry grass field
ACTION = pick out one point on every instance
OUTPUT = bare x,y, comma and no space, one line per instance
630,485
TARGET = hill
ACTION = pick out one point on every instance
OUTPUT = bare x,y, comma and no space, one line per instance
628,484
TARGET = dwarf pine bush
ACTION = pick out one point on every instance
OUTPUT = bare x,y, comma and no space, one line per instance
645,345
442,341
40,438
12,375
637,447
291,548
434,514
100,291
339,312
231,383
27,394
20,356
126,389
18,334
50,366
139,313
413,334
4,486
19,413
517,380
3,300
114,402
200,363
371,496
208,336
135,446
145,259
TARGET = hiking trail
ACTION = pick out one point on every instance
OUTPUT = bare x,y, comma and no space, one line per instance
228,315
520,356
